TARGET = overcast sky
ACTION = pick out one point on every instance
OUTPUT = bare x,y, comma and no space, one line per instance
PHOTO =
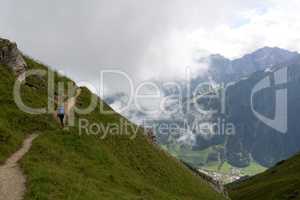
145,38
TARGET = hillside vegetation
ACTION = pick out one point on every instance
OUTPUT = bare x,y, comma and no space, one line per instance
65,165
281,182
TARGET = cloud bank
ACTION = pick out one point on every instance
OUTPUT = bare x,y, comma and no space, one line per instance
146,39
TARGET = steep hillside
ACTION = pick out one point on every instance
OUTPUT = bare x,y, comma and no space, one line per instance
62,164
281,182
254,139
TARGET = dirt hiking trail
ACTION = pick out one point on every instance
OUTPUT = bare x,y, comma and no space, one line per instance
12,180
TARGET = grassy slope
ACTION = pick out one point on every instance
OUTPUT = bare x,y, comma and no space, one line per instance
281,182
64,165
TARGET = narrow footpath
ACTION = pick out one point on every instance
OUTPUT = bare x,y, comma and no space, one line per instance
12,179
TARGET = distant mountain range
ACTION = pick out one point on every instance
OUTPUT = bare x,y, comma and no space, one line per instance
225,70
253,141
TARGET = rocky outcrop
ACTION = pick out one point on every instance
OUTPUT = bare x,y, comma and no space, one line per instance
12,57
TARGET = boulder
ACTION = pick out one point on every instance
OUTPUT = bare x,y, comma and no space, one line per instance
11,56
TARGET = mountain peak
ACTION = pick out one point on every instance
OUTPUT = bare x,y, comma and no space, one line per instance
224,69
272,54
217,56
273,50
263,58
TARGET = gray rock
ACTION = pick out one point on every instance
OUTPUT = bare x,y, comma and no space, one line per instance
11,56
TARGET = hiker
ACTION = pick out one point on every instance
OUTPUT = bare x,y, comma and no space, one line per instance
61,114
60,111
64,107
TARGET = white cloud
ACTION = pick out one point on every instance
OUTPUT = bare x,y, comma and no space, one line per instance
277,25
145,38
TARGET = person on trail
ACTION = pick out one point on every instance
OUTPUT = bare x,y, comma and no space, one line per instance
60,109
61,114
64,107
